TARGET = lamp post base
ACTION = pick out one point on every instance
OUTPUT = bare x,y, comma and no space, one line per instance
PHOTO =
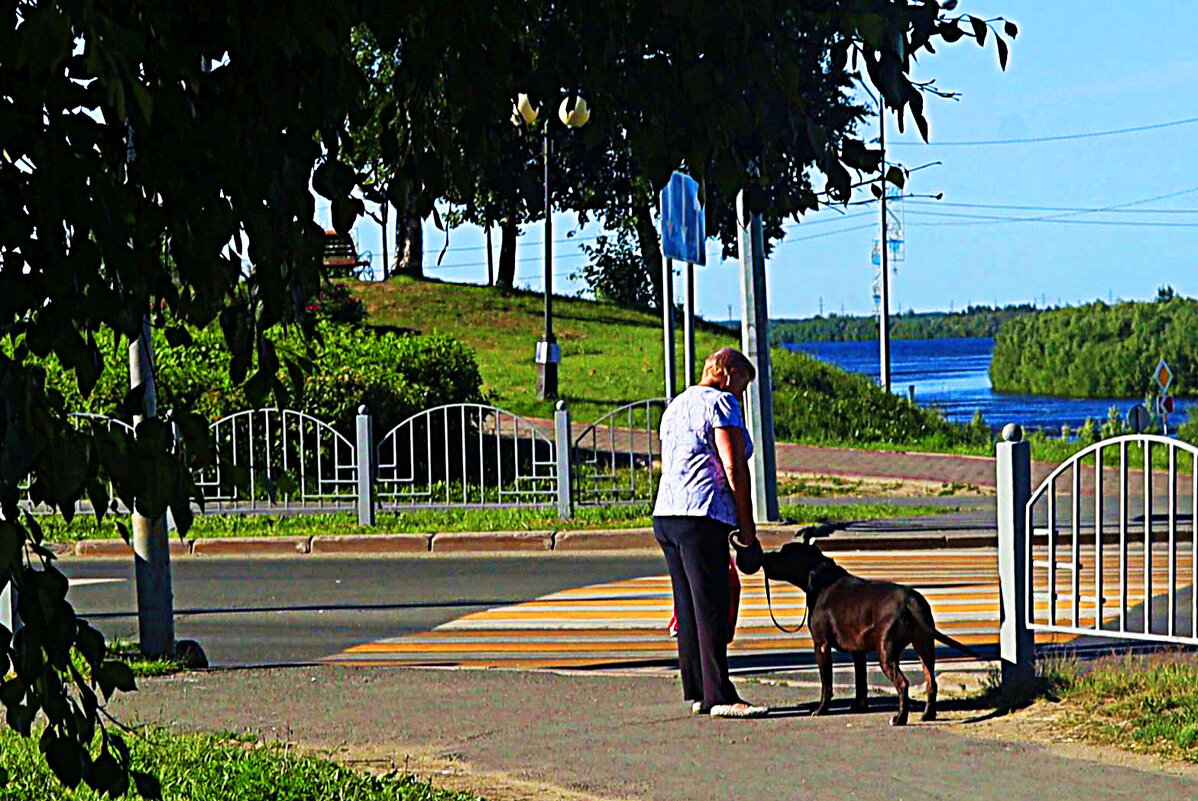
547,381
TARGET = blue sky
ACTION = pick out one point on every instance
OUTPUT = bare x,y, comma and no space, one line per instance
1076,67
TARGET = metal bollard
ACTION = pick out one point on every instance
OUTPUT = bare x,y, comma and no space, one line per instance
365,449
563,445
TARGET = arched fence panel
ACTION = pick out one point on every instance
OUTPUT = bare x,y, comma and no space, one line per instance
272,460
617,459
466,454
1111,543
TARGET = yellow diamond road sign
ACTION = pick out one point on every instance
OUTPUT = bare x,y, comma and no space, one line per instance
1163,375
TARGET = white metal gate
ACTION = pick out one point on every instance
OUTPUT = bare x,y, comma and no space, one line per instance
617,458
1111,543
271,460
466,454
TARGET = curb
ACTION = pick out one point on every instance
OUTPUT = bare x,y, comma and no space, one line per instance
372,543
465,541
251,546
581,541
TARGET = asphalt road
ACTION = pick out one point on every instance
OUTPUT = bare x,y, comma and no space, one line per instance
276,611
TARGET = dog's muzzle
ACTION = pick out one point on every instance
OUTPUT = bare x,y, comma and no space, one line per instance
749,558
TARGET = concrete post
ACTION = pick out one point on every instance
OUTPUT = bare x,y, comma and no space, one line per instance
667,326
365,453
1016,646
564,445
755,341
151,549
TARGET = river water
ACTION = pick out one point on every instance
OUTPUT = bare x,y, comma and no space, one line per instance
954,375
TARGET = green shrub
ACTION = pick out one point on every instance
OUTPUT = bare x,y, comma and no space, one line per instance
817,402
394,375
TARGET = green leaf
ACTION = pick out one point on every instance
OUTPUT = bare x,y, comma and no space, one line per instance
950,32
1002,52
147,785
114,675
179,337
65,758
104,774
90,644
979,29
134,401
1010,29
896,176
345,212
11,538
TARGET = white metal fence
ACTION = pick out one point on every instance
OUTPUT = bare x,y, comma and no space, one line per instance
457,455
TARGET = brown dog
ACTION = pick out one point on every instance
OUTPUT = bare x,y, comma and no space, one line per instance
858,615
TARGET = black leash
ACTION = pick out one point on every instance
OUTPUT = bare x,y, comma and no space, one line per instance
770,605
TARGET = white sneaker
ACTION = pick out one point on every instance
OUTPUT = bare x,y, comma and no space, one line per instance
741,709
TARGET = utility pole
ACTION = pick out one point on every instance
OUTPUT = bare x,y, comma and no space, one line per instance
151,549
884,309
755,341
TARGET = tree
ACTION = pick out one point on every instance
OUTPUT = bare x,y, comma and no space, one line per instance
138,181
135,181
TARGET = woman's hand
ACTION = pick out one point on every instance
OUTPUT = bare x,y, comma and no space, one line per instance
730,445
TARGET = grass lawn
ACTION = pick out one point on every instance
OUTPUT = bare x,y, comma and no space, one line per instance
220,768
1147,704
1142,703
448,520
610,355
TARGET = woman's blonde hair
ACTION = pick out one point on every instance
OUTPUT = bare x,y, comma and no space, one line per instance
719,363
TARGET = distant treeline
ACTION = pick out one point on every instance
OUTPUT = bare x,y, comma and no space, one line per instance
975,321
1099,351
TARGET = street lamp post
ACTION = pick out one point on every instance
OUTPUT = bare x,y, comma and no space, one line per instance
548,354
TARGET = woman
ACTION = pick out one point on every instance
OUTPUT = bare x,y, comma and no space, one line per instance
703,496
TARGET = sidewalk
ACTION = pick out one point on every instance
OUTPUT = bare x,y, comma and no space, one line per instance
631,736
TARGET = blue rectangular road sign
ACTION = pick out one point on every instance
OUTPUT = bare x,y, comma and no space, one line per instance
683,229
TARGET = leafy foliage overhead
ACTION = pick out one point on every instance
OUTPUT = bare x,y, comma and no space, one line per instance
156,161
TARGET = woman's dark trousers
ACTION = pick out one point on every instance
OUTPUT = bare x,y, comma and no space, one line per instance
696,552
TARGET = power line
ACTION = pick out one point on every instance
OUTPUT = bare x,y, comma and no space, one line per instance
1059,138
997,218
1015,207
1063,215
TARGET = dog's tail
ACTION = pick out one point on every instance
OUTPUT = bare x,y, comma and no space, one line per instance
919,607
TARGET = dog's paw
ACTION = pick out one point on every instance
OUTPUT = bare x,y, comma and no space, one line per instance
928,715
898,720
815,713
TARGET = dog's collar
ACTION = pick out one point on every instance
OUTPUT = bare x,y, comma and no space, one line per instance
822,575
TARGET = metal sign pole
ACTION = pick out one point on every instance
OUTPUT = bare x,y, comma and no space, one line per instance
667,324
755,339
688,326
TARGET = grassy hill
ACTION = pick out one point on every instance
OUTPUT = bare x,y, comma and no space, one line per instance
610,355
